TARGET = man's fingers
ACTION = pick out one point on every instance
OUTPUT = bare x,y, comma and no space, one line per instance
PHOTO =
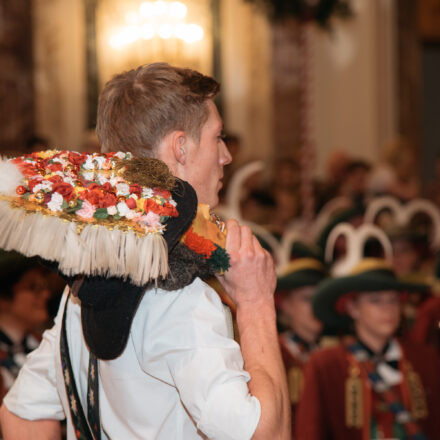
233,236
247,242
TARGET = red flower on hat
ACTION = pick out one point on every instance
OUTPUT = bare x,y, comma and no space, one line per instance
76,158
131,203
107,187
94,197
65,189
108,199
166,210
199,244
55,179
161,193
135,189
27,169
20,190
34,182
55,167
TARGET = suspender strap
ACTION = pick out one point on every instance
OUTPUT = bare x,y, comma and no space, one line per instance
93,397
81,424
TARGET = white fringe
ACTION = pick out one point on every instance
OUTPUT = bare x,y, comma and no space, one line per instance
10,177
95,251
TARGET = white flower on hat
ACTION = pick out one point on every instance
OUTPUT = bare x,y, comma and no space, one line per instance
55,202
112,210
123,209
102,179
99,160
120,155
44,185
147,193
87,210
88,175
122,189
89,164
132,214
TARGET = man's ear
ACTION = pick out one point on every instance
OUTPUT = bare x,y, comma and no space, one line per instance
178,145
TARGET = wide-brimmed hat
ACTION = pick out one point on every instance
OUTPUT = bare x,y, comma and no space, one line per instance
113,220
305,269
369,275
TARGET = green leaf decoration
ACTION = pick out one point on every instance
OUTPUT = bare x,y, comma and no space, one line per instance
73,209
101,213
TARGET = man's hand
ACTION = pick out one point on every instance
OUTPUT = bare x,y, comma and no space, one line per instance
250,282
251,278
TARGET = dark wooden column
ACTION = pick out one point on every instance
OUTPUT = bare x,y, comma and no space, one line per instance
286,86
409,72
16,66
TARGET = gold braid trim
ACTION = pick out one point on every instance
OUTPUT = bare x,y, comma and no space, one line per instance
368,264
303,264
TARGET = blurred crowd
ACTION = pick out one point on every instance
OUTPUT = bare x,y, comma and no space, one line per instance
358,291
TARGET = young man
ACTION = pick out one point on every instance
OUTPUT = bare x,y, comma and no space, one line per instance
374,386
180,375
296,288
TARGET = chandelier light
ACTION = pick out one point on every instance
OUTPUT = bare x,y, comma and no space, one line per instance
156,19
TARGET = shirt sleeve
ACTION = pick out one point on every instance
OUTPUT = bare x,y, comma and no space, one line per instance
186,344
34,394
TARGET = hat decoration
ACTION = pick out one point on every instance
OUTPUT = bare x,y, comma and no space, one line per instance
100,214
355,274
356,240
403,213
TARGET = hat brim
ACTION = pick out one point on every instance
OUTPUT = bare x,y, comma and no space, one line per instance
108,305
331,290
299,279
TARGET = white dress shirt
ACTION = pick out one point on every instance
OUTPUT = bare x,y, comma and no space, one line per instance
180,377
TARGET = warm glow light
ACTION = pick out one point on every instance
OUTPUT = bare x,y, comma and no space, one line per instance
147,31
178,10
146,10
157,18
165,31
160,8
124,37
192,33
131,17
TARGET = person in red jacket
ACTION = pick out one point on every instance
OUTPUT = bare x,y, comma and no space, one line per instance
295,289
373,386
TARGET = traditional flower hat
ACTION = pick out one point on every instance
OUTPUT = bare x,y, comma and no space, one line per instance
356,273
119,222
368,275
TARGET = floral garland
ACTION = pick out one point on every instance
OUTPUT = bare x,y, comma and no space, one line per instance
207,237
90,188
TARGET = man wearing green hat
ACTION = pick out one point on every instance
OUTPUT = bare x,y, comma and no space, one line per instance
373,386
296,288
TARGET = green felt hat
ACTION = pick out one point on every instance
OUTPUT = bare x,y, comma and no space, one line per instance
369,275
302,272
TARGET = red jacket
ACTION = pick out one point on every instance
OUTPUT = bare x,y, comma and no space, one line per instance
320,414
